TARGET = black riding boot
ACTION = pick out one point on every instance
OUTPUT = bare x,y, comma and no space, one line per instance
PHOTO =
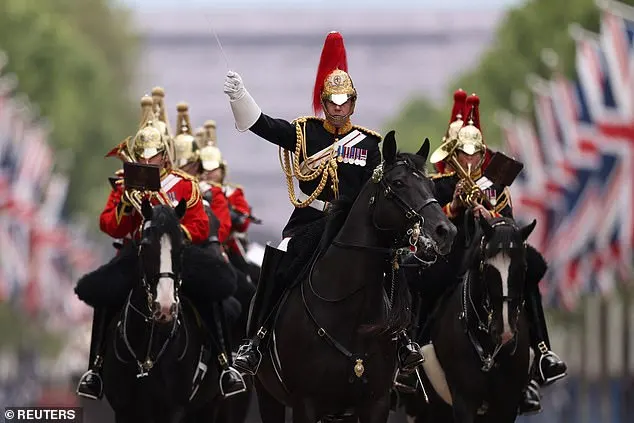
410,358
409,354
231,381
266,295
547,366
550,367
90,384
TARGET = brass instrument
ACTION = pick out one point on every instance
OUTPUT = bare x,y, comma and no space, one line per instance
472,194
143,182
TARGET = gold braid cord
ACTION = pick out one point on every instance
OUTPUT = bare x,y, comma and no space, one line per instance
327,167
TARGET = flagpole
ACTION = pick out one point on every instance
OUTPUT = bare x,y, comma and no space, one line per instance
626,350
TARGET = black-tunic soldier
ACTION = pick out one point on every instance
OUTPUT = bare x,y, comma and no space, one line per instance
464,153
331,158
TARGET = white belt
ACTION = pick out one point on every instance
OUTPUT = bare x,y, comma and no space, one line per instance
316,204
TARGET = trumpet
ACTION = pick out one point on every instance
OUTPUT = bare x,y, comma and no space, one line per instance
472,195
133,195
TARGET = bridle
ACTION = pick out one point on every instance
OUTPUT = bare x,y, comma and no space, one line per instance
407,243
487,358
145,365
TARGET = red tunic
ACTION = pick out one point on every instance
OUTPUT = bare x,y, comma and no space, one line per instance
120,220
238,202
235,196
220,208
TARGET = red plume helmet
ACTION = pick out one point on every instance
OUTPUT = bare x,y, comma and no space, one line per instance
473,111
333,56
458,113
470,138
459,101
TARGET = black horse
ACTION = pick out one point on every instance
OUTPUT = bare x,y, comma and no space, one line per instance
332,353
479,357
154,345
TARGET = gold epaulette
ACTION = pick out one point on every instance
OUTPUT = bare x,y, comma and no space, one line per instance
196,196
368,131
119,173
234,186
303,119
439,175
184,175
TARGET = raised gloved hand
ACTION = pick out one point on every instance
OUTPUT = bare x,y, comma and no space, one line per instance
234,87
245,110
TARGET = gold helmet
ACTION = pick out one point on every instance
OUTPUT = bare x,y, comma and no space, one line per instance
149,140
185,147
209,136
470,140
199,134
158,97
333,83
211,158
449,141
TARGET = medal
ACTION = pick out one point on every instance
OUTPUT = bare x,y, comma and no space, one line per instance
363,157
340,154
357,156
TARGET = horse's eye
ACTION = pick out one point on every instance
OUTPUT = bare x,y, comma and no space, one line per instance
398,184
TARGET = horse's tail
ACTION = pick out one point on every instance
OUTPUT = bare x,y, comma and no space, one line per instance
399,302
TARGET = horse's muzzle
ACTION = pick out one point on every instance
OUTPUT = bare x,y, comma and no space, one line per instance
164,314
444,233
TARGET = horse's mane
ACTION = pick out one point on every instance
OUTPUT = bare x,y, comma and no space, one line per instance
506,238
165,221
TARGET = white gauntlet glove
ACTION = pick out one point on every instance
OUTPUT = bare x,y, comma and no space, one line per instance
234,87
245,111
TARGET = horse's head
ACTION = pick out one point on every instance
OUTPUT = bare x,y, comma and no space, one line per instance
160,258
405,205
502,265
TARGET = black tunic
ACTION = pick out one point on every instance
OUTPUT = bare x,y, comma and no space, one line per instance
445,185
352,177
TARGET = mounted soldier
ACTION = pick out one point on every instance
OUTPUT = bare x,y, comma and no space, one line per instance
463,157
122,217
332,158
188,158
239,208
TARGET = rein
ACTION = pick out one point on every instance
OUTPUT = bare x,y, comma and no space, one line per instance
146,364
395,254
487,359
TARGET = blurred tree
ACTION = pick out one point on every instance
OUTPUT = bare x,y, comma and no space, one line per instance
516,52
74,59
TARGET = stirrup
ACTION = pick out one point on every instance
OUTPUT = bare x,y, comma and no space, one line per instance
230,370
550,380
250,349
82,382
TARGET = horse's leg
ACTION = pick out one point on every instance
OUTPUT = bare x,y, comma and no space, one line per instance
375,411
271,410
464,411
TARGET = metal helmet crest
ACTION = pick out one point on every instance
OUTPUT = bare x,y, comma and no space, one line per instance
149,140
333,83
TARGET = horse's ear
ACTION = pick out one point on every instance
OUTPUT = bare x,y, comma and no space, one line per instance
146,209
181,208
486,227
526,230
423,151
389,147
